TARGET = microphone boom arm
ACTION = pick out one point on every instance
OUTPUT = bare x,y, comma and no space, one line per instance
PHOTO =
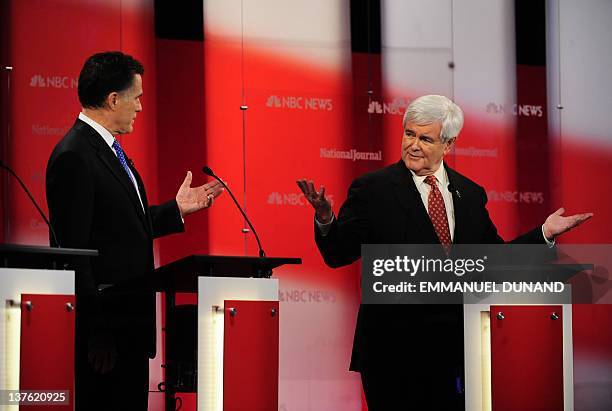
10,170
209,172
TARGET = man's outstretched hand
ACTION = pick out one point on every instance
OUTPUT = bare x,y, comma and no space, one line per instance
557,224
317,199
192,199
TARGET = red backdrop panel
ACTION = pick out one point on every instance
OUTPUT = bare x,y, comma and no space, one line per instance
180,131
526,358
43,99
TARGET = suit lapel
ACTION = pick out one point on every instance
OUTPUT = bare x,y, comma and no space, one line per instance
139,182
143,195
459,205
409,198
110,160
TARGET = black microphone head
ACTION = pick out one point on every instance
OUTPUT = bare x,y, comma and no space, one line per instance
206,170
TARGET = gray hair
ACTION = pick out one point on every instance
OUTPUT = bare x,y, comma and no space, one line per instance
436,109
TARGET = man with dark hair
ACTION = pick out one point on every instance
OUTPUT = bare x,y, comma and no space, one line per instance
410,356
96,80
97,200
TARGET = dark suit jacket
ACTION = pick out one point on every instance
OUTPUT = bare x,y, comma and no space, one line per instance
93,204
385,207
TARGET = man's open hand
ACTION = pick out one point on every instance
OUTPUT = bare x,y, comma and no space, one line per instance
317,199
557,224
192,199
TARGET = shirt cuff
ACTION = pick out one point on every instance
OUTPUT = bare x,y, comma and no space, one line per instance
549,243
324,228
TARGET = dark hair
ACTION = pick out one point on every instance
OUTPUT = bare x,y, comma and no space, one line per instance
104,73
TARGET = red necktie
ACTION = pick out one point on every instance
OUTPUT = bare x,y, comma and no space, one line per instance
437,213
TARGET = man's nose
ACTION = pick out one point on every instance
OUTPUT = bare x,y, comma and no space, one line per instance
415,145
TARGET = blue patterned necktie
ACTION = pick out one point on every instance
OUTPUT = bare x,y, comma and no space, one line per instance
121,157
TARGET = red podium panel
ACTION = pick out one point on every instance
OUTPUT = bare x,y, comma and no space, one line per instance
526,358
250,356
47,347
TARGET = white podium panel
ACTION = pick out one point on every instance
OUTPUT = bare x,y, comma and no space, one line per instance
13,283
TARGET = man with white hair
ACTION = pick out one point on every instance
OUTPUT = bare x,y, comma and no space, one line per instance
411,356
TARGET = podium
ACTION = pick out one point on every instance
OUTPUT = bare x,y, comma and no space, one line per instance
37,288
513,344
226,348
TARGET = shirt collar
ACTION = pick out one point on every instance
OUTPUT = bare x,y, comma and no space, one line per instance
104,133
440,175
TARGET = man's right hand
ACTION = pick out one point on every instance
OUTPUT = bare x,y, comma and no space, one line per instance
317,199
102,353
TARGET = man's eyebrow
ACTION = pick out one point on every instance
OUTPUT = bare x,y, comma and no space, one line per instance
409,131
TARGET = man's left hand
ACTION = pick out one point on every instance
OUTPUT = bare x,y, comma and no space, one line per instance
557,224
192,199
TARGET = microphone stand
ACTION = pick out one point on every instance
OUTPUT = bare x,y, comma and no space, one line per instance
5,134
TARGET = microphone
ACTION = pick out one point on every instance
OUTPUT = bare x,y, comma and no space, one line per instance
453,190
7,168
206,170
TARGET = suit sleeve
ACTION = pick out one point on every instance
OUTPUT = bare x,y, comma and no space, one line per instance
342,245
166,219
70,197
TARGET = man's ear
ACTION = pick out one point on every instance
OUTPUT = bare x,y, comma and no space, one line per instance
112,100
449,145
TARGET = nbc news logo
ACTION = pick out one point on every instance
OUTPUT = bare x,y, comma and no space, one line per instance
300,103
38,81
397,106
523,110
291,199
